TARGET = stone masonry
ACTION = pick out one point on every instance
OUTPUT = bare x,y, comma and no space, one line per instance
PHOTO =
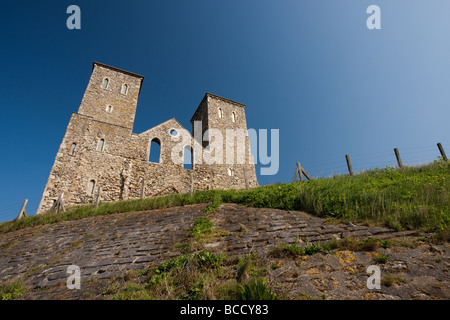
110,246
99,148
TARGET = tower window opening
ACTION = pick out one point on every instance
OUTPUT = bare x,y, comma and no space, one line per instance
124,89
105,83
233,116
91,187
101,145
72,149
220,113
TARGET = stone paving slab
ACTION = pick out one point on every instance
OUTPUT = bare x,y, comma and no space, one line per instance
105,246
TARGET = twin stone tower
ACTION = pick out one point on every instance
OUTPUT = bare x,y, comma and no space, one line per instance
99,148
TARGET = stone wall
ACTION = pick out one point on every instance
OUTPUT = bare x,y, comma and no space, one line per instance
99,148
105,247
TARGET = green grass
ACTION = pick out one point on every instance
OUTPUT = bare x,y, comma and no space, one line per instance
216,201
294,250
381,258
408,198
197,276
403,199
12,290
201,226
389,281
256,289
284,250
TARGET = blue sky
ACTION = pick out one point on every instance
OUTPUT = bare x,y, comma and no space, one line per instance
311,69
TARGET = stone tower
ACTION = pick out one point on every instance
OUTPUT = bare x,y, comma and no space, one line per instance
216,119
100,150
111,96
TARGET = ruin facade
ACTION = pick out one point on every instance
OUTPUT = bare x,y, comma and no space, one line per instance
99,148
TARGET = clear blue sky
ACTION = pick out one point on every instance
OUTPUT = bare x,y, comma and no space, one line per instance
309,68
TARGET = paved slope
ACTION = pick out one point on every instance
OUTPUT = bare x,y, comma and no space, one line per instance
106,246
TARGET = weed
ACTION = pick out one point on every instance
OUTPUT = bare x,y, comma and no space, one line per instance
370,244
284,250
390,281
207,260
384,243
215,202
201,226
381,258
317,248
175,262
12,290
256,289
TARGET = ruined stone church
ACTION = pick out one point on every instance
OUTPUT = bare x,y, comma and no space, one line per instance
100,150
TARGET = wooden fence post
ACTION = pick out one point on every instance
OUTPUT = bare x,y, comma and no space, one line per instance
97,199
399,160
441,150
300,171
191,187
247,186
23,212
349,164
59,204
142,188
306,174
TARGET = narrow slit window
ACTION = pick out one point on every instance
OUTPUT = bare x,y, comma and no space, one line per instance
91,187
101,145
105,83
124,89
109,109
72,149
233,116
220,113
230,172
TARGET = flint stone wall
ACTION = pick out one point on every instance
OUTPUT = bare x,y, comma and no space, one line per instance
121,166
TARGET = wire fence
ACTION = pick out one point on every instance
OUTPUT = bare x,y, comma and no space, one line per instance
10,211
322,168
412,156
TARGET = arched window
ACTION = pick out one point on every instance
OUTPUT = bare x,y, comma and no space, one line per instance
105,83
72,149
124,89
220,113
101,145
155,151
91,187
233,116
230,172
187,158
109,109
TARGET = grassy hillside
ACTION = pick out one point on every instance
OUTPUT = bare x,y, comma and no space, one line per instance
408,198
